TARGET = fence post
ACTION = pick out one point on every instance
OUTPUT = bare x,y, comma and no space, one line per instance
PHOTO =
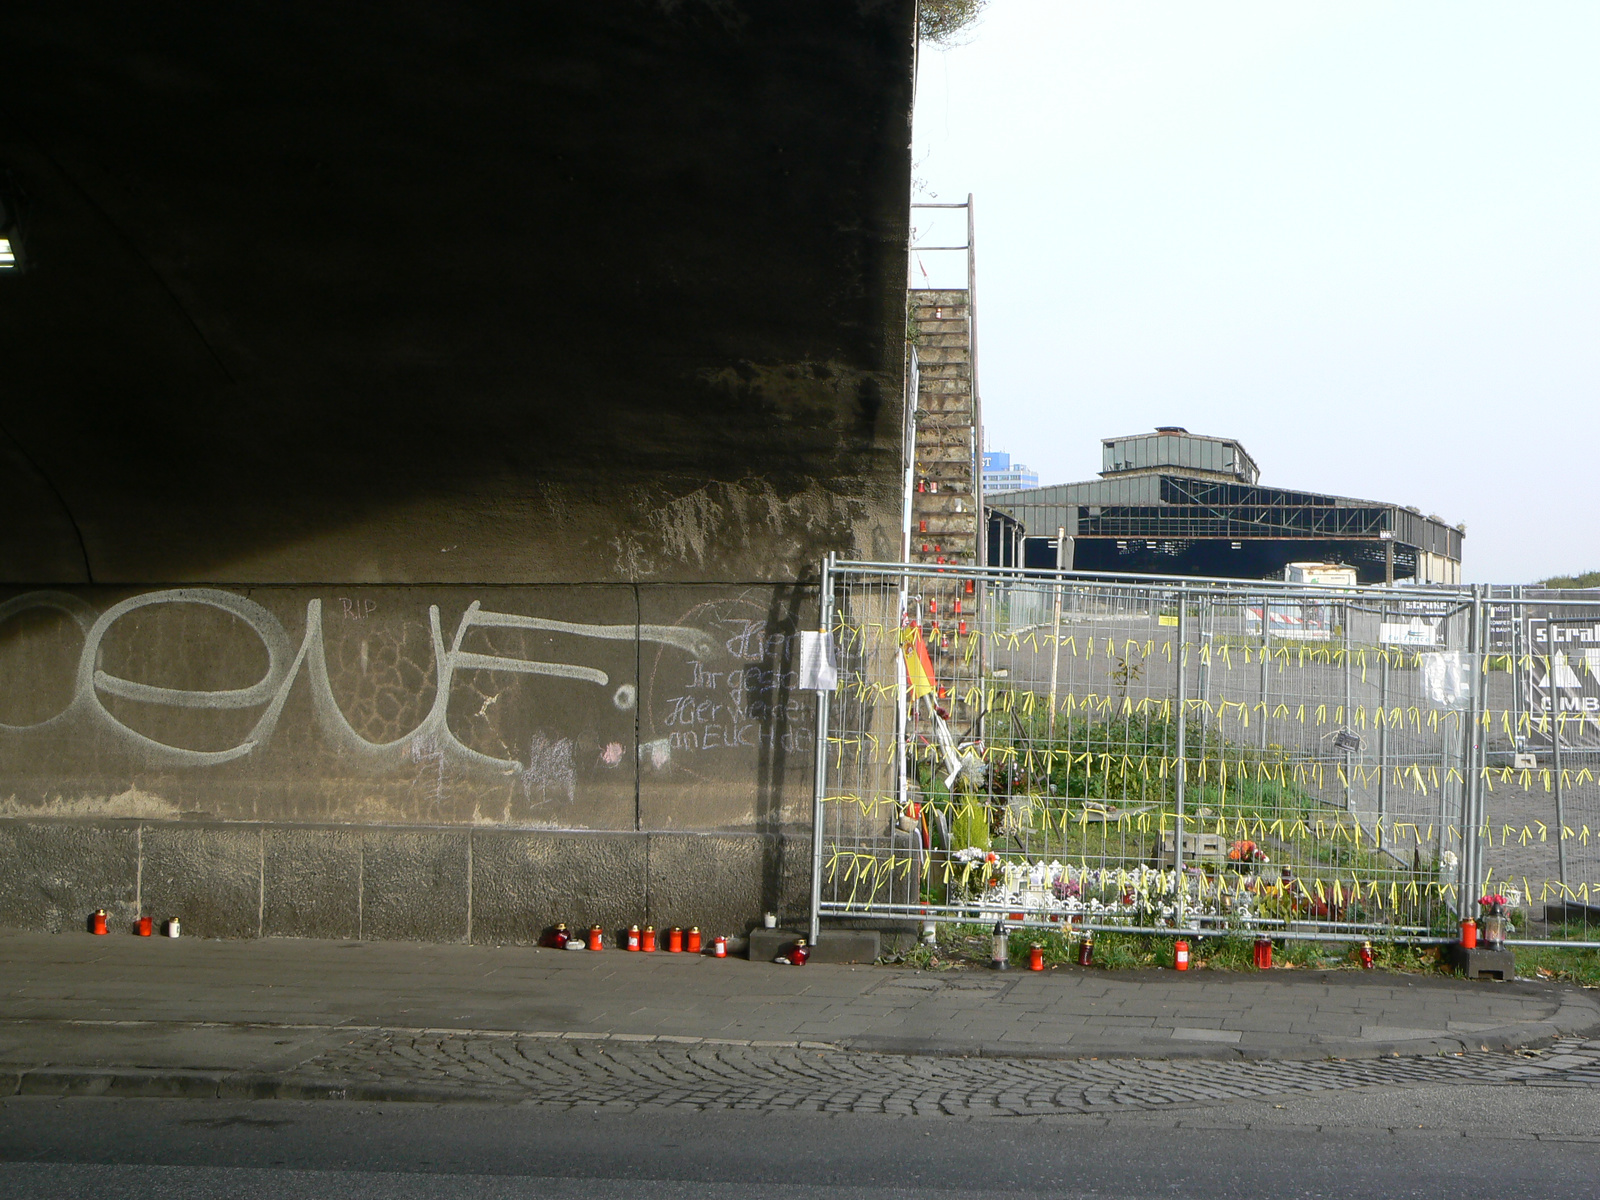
1471,869
1202,648
1266,662
820,783
1555,760
1517,610
1182,767
1055,638
1383,728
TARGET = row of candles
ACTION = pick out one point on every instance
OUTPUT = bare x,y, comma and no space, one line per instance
675,940
143,927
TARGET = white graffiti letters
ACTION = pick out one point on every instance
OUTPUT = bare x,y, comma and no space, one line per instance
284,663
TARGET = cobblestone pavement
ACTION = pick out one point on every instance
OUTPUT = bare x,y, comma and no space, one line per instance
611,1074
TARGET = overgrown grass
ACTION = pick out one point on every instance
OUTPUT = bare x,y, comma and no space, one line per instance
1550,962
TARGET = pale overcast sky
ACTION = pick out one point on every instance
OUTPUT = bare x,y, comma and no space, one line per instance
1360,238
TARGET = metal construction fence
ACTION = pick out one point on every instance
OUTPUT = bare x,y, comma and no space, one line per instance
1164,754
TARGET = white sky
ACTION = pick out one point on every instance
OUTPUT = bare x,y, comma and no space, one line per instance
1364,239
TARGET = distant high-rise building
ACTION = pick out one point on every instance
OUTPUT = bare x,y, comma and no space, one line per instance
1000,474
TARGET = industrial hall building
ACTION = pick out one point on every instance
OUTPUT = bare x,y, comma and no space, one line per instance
1175,503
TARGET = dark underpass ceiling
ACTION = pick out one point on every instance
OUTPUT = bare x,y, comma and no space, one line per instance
451,291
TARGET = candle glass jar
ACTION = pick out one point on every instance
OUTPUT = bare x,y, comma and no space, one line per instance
1494,926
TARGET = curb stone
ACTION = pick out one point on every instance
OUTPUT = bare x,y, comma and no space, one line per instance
196,1085
273,1087
128,1081
1533,1036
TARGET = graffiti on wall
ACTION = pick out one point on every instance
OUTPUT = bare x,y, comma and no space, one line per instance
755,702
721,686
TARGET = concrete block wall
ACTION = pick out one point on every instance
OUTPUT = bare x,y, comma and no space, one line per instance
439,764
432,884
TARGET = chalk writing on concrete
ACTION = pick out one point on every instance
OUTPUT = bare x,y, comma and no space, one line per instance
547,771
549,774
746,706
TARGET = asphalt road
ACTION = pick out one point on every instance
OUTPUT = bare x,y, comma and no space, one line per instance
1461,1140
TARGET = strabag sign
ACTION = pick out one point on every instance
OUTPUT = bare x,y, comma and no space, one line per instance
1562,678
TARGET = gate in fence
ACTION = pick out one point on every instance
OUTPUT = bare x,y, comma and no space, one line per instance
1156,755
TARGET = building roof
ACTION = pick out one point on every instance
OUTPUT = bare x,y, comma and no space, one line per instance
1174,447
1188,506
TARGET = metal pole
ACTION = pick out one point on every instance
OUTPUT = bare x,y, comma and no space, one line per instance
908,453
820,783
1055,639
1555,760
1472,794
1516,665
1447,752
1203,642
1349,699
1383,730
972,369
1266,704
1182,767
981,558
902,717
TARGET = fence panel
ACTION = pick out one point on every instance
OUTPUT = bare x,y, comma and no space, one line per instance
1155,753
1540,832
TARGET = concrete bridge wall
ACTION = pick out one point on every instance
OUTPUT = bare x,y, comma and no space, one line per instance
419,436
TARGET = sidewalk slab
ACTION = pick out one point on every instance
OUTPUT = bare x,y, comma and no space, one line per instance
166,1015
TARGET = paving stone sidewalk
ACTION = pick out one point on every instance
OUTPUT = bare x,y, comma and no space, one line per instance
564,1073
610,1074
280,1017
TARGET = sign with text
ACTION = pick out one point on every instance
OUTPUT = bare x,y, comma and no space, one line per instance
1561,678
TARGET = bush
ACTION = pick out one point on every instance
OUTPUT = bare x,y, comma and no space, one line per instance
939,21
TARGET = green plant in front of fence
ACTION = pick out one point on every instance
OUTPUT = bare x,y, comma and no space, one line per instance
970,944
1122,951
1056,946
1100,790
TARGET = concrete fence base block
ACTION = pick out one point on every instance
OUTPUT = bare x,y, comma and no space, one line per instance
835,945
1482,963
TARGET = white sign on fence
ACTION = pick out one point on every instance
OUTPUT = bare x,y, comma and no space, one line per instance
1415,632
1444,678
818,669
